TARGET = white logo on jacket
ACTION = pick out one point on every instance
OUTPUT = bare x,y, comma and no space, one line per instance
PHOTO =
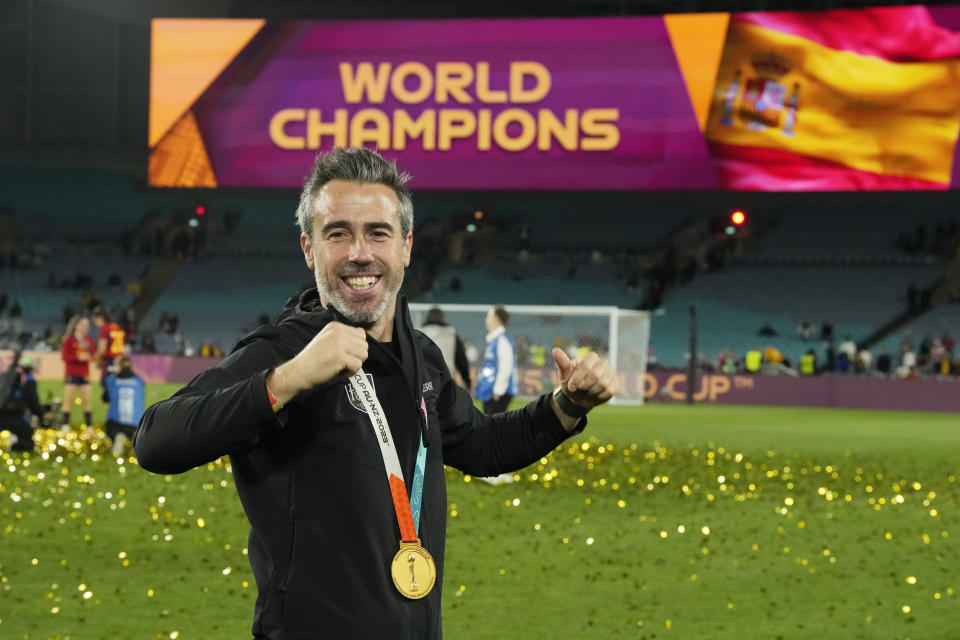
355,402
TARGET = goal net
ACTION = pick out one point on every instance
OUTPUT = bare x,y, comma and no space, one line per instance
619,335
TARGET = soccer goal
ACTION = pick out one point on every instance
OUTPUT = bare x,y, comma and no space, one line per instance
619,335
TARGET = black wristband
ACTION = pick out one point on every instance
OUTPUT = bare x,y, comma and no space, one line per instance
567,405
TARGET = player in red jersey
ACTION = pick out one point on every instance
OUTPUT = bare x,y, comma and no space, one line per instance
111,344
77,351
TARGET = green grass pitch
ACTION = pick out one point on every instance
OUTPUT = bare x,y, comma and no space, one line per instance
664,521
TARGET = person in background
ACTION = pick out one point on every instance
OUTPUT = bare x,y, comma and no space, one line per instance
210,350
497,382
884,362
727,361
842,364
938,354
126,392
908,358
848,347
948,342
445,337
766,330
77,351
808,363
20,401
773,355
829,357
110,346
826,331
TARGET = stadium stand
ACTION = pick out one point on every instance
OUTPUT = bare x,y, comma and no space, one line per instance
841,261
56,277
218,298
836,263
735,303
938,322
539,284
847,228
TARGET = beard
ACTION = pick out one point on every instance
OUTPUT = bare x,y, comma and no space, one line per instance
365,313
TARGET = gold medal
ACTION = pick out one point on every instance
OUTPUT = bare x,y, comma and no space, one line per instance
413,570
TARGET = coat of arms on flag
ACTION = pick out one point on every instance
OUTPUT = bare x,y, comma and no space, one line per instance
764,103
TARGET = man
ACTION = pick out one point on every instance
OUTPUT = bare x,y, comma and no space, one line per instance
450,344
332,414
21,398
110,346
125,393
848,347
497,381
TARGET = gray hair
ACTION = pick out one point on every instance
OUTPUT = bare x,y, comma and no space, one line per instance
357,164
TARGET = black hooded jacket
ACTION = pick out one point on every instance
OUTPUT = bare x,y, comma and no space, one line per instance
311,478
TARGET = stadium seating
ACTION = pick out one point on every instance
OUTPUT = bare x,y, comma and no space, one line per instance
43,305
734,303
80,205
218,298
846,228
825,260
539,284
935,323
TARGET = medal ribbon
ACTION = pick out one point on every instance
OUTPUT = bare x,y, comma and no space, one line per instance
416,492
408,521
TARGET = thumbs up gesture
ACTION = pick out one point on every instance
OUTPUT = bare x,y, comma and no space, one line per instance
587,381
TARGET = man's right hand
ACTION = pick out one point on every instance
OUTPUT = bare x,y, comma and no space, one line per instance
338,350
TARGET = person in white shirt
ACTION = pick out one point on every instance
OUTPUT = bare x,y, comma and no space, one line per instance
849,347
497,382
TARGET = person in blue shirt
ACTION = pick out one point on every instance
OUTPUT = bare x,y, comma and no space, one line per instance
497,382
127,399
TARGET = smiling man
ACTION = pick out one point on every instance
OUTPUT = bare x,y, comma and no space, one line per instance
360,276
338,420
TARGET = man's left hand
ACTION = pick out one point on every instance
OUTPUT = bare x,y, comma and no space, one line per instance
589,380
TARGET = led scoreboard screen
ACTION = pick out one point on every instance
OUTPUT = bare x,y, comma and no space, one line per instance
863,99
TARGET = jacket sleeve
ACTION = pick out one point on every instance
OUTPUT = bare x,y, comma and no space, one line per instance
484,445
224,410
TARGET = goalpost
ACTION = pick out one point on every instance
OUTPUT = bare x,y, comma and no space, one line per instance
620,335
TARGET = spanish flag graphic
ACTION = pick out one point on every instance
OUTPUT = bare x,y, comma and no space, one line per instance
836,101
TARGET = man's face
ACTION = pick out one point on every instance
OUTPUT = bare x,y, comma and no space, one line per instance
491,320
357,252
